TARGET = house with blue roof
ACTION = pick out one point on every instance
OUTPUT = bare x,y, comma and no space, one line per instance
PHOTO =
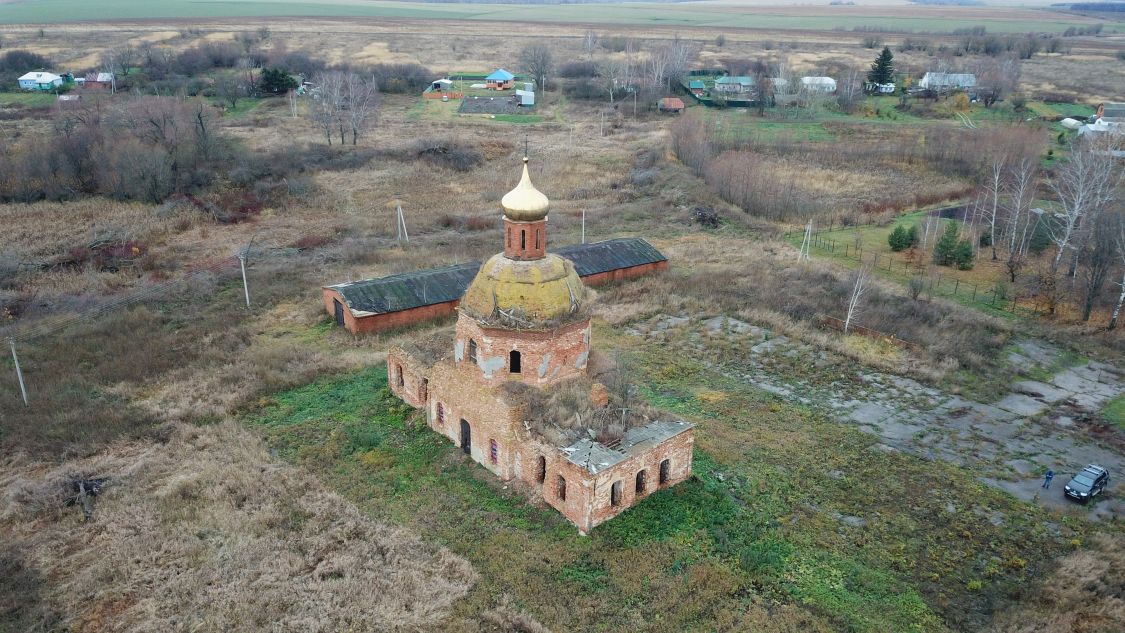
731,85
500,80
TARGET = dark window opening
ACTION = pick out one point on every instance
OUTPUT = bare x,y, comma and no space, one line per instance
641,482
509,237
401,378
466,438
542,469
472,351
537,239
424,390
615,494
665,471
440,414
562,488
493,451
339,308
523,239
514,362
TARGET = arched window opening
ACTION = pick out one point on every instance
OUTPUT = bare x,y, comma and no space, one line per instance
615,494
509,237
641,482
472,351
493,451
440,414
401,378
514,362
466,437
562,488
542,475
665,471
537,233
523,239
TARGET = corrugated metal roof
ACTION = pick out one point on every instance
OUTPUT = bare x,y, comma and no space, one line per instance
440,285
408,290
600,257
739,80
500,75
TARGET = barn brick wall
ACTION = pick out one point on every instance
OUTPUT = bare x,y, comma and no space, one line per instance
405,318
546,356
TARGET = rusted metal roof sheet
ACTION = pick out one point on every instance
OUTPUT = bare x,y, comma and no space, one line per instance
416,289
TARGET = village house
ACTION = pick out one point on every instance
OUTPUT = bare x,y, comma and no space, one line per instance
500,80
945,82
40,80
731,85
98,81
818,85
697,87
520,389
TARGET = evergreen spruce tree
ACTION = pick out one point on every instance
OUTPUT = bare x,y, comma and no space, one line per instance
912,236
963,255
883,68
898,239
946,247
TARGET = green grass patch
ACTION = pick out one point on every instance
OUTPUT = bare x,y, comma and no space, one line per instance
1114,412
517,118
29,99
753,521
242,107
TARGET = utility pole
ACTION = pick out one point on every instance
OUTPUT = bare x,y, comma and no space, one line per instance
19,372
400,221
245,284
806,242
583,226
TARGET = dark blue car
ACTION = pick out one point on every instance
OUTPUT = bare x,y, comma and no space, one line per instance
1092,481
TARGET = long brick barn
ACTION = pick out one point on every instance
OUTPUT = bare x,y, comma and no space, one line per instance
374,305
520,389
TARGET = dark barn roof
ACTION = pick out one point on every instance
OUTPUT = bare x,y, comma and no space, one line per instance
600,257
405,291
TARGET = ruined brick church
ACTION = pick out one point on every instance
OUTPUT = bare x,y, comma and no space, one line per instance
518,388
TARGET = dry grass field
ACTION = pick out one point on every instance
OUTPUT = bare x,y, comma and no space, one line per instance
259,478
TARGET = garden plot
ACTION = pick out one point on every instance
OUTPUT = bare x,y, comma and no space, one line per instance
1009,443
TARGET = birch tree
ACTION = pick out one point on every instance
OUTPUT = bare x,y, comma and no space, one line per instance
992,189
1083,186
1118,229
1020,186
362,99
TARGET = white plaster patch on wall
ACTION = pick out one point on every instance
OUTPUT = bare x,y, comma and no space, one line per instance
580,361
490,365
544,365
459,350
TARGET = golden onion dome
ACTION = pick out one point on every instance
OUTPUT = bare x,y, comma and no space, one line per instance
525,293
525,203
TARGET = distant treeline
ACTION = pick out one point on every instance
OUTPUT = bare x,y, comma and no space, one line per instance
959,3
1110,7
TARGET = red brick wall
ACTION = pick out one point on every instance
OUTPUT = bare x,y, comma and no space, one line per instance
625,273
677,449
464,397
406,380
526,247
546,357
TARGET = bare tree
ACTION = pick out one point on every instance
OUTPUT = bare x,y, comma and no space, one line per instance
589,42
535,60
1020,187
1097,256
849,89
362,98
997,77
611,73
993,187
669,62
230,89
1118,230
1083,185
859,288
327,103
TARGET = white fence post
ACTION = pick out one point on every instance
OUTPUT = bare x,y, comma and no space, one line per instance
19,372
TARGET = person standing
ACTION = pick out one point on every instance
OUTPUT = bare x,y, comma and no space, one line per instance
1047,478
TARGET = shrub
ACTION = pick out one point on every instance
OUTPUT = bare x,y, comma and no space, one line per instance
951,250
577,69
401,78
915,287
450,153
899,239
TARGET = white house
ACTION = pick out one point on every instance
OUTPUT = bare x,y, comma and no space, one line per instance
40,81
948,81
823,85
526,97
